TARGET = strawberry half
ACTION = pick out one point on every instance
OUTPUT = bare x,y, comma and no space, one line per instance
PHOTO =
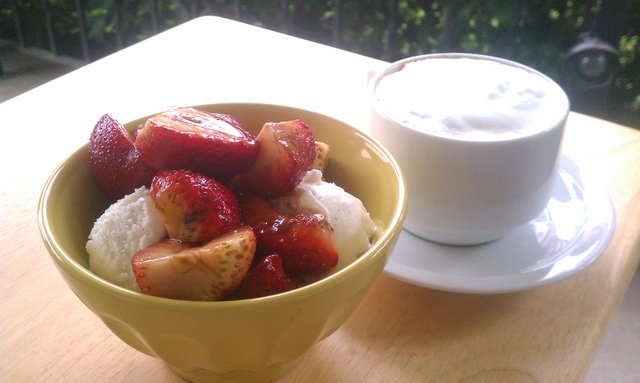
117,166
256,209
285,152
194,207
304,241
173,269
267,277
186,138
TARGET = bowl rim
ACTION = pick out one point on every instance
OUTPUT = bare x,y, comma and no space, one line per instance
78,271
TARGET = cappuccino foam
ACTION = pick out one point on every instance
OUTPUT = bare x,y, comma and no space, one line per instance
470,99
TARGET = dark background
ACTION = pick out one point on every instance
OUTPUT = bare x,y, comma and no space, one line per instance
538,33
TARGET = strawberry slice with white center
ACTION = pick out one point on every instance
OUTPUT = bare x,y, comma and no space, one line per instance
286,150
194,207
117,166
173,269
214,144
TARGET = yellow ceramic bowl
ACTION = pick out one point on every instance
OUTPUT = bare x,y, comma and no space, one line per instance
232,341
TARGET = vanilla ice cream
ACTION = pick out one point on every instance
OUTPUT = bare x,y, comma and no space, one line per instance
129,225
353,228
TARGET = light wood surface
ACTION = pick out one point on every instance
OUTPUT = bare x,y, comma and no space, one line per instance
400,333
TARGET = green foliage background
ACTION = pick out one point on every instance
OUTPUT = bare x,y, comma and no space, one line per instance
534,32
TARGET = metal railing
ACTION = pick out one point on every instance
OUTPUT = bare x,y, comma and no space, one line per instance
191,9
589,63
233,9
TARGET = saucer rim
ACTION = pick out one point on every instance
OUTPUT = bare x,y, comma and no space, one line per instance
496,284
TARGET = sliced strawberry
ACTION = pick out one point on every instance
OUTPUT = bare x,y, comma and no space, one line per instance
117,166
285,151
321,160
186,138
304,241
173,269
267,277
256,209
194,207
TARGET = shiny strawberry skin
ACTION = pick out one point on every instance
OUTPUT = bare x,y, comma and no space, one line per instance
187,138
256,209
285,152
194,207
267,277
117,166
304,241
174,269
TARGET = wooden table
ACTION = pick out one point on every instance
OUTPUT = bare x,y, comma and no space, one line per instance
400,333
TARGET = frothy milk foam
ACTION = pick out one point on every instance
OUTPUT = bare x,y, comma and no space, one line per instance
470,99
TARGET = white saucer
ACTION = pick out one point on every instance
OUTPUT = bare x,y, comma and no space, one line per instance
565,238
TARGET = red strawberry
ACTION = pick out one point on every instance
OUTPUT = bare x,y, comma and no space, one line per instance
186,138
256,209
267,277
193,206
286,150
173,269
304,241
117,166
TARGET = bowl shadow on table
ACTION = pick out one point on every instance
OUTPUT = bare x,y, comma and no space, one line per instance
429,316
432,322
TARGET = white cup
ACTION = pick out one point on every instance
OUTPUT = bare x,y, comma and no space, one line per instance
477,137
